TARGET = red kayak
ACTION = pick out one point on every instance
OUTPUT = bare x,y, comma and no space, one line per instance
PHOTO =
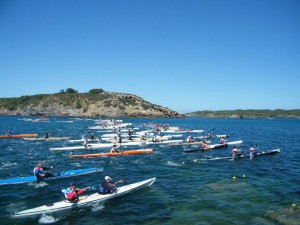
19,136
129,152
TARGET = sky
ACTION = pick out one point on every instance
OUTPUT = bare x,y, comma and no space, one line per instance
187,55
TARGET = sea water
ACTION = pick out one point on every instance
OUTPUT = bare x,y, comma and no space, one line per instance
188,189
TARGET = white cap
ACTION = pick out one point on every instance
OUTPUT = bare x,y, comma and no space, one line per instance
107,178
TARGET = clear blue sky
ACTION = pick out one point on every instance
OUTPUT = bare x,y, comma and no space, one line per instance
187,55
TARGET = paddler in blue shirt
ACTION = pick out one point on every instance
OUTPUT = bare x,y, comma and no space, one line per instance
47,135
108,186
9,133
39,172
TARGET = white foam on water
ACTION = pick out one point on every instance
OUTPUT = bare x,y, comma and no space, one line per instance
169,163
46,219
98,206
8,164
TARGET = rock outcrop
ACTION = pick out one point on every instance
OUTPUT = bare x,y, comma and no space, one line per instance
104,104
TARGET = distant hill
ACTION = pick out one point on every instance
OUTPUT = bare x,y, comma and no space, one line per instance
249,113
96,102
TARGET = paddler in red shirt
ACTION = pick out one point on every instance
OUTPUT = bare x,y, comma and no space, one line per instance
72,193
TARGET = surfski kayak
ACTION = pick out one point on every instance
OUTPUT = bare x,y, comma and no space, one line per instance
19,136
271,152
84,200
47,139
95,146
64,174
216,146
129,152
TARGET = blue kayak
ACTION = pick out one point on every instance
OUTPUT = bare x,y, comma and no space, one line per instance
64,174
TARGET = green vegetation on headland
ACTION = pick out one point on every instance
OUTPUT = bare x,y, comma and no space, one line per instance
96,102
249,113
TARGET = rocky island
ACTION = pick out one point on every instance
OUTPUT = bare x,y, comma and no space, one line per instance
95,103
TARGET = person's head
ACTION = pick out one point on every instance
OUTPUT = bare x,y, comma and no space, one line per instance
107,178
72,185
40,164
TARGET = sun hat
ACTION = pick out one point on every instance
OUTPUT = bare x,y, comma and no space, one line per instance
107,178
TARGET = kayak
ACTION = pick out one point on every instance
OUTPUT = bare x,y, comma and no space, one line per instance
95,146
84,200
19,136
193,143
271,152
129,152
182,131
47,139
163,142
64,174
216,146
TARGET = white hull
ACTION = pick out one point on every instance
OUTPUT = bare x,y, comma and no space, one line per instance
84,200
95,146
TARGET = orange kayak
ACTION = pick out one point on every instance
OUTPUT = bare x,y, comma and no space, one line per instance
129,152
19,136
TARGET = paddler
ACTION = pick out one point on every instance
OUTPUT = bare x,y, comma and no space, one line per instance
71,193
114,142
47,135
38,172
252,151
86,143
189,139
108,186
222,140
236,152
203,145
114,150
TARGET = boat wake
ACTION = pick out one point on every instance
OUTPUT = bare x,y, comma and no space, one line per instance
169,163
98,206
46,219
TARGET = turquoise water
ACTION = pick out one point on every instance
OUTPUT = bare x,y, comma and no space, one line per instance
188,190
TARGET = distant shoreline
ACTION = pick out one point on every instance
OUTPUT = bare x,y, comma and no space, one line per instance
251,113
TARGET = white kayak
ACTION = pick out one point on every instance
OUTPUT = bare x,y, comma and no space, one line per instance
96,146
164,142
84,200
182,131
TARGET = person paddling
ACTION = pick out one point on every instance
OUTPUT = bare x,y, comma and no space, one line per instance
189,139
252,151
203,145
108,186
71,193
39,172
236,152
9,133
114,150
222,141
47,135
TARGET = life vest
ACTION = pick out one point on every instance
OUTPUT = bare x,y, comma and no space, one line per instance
103,189
251,149
37,170
233,151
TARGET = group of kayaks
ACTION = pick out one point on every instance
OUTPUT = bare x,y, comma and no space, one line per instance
83,200
96,197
